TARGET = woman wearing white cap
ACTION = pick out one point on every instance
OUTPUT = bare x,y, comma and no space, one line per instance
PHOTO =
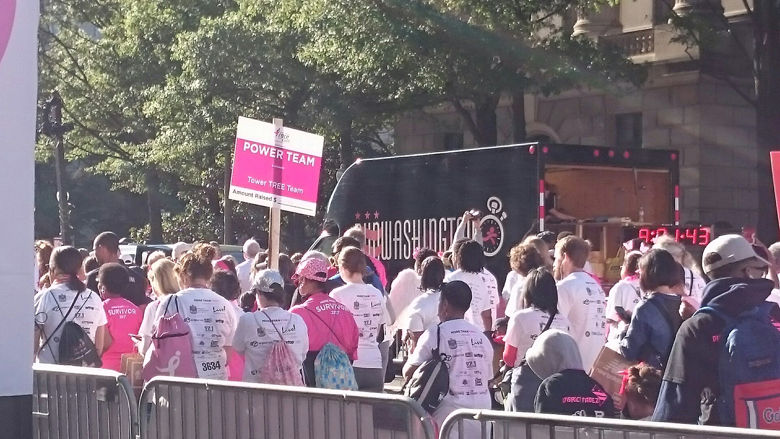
259,332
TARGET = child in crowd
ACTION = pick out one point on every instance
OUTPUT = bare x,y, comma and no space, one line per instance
640,387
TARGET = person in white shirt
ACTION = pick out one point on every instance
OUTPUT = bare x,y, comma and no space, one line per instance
368,307
491,283
538,313
423,312
580,298
625,294
244,269
68,299
470,261
210,316
467,352
406,287
162,278
522,258
538,304
257,332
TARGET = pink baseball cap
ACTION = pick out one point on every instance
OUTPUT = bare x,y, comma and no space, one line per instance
314,269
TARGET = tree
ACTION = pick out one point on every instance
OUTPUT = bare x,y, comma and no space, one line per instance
461,52
105,66
731,51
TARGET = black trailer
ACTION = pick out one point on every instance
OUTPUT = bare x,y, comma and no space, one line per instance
416,201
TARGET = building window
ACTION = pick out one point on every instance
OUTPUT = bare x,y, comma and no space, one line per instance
628,130
453,141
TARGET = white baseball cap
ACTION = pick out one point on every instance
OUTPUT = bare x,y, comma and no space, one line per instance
731,249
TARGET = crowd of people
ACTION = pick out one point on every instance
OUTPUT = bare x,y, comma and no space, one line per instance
328,317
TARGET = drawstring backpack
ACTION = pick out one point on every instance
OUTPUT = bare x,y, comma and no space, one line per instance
171,351
332,367
280,366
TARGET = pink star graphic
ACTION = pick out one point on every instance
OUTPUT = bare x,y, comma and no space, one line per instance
376,214
357,216
368,215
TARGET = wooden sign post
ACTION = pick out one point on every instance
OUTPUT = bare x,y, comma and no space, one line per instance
275,213
279,168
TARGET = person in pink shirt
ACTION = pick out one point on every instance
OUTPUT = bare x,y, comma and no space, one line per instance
327,320
124,318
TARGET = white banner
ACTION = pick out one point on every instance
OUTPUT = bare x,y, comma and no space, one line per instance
18,95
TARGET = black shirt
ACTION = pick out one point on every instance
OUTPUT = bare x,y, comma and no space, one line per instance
136,288
573,392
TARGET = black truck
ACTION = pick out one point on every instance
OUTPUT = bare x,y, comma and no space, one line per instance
415,201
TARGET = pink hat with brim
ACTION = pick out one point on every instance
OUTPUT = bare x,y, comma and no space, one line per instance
314,269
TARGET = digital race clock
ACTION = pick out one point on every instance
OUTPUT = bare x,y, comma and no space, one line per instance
699,236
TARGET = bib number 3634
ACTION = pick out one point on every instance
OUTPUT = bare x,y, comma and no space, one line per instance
210,365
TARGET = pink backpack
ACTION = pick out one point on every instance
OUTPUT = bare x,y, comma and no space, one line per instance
280,366
171,351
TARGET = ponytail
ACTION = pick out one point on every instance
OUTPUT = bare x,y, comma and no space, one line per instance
66,260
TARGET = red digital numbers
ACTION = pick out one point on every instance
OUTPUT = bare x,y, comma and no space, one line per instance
688,235
644,235
704,235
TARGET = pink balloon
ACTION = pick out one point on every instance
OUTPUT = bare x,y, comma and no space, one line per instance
7,12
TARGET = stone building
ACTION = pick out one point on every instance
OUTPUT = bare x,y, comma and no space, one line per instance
680,106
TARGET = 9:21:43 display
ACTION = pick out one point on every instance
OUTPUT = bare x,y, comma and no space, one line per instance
699,236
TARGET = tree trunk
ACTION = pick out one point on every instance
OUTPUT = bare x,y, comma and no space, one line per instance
227,211
767,65
152,182
486,120
519,133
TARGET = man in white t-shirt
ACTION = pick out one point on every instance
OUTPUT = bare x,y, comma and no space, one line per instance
470,262
244,269
257,332
580,298
467,352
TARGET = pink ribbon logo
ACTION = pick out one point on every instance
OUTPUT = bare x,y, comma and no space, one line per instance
7,12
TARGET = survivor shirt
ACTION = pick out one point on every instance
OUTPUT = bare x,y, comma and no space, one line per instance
328,321
573,392
212,326
581,299
469,357
367,305
481,299
53,303
124,318
258,331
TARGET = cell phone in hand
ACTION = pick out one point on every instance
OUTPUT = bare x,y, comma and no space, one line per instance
623,314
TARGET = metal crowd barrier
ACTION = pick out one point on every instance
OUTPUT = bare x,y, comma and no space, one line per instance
173,408
505,425
82,403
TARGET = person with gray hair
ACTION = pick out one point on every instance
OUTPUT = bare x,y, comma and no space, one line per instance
358,233
694,283
244,269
